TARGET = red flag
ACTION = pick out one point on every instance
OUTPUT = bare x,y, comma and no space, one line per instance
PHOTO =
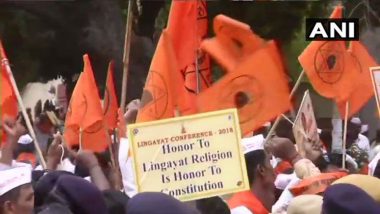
85,113
363,90
159,99
187,26
110,106
8,100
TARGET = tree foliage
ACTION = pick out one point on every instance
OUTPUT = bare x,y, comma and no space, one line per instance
44,39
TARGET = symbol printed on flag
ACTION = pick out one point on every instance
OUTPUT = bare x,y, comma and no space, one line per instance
246,95
155,95
202,13
329,63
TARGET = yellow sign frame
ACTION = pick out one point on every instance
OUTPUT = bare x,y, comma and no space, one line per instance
134,129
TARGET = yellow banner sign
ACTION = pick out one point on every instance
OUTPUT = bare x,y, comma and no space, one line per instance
190,157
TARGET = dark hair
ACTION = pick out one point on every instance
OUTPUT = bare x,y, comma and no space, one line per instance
12,195
254,159
43,118
116,201
262,130
376,173
377,135
213,205
326,138
322,162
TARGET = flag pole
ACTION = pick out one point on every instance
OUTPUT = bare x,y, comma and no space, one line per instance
345,135
80,138
127,49
288,119
275,124
23,110
110,149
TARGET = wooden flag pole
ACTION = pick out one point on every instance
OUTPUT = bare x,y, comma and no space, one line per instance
116,144
287,118
80,138
23,110
275,124
345,135
127,49
110,149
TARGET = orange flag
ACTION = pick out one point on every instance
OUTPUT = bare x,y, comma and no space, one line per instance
363,90
110,106
7,96
327,64
186,42
8,100
234,41
85,113
256,88
160,94
275,53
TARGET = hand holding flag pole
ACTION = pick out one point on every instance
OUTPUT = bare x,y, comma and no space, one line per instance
23,110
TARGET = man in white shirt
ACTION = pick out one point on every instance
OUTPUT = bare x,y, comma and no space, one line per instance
125,160
354,137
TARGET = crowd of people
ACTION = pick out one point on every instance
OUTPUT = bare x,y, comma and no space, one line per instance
281,180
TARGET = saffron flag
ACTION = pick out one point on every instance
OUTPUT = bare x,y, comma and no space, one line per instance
85,115
187,26
110,106
233,42
275,53
363,90
327,65
259,98
8,98
160,94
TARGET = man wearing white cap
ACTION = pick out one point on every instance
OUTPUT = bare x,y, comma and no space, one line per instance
353,133
16,191
260,198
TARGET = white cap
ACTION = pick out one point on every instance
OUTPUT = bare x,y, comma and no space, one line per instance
356,120
14,177
25,139
253,143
